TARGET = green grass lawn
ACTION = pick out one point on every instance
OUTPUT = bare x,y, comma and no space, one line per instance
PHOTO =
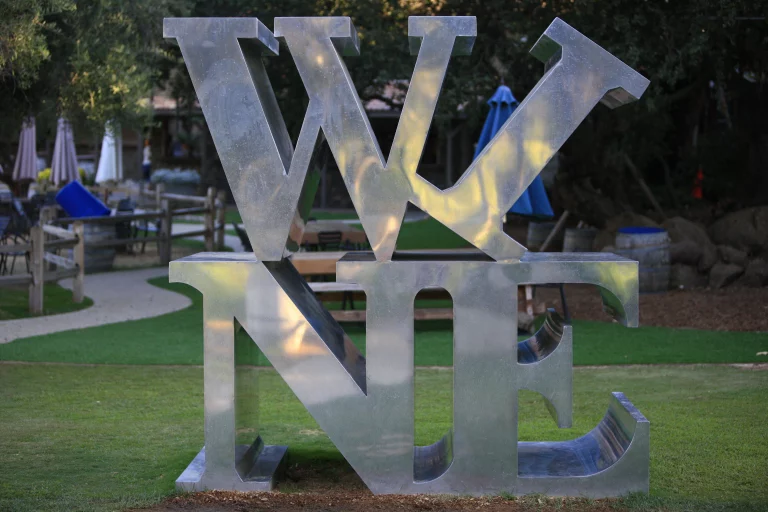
176,338
14,302
428,234
106,438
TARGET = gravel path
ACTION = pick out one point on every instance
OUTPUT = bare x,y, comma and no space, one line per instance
730,309
117,297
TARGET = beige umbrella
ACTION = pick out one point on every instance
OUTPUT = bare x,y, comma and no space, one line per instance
25,166
111,160
64,165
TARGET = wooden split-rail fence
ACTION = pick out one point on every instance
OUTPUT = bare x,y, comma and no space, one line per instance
49,236
46,266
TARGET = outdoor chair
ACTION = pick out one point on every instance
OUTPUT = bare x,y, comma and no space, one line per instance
147,226
125,229
15,231
243,236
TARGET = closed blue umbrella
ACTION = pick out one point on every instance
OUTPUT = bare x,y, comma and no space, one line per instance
534,201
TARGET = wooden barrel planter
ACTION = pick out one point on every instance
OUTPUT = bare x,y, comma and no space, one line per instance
579,239
98,259
649,247
538,233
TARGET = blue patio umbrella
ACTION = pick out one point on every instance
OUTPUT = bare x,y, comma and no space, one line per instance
534,201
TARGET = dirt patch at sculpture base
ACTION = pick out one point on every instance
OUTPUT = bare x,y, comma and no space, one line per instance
363,500
729,309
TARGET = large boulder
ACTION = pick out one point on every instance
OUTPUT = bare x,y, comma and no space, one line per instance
723,274
746,230
686,277
755,275
607,236
730,254
683,231
685,252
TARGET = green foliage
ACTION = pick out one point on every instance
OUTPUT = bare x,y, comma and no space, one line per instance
23,30
698,56
705,61
115,60
94,61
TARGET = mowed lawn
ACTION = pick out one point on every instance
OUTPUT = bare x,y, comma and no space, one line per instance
14,301
177,338
114,437
106,438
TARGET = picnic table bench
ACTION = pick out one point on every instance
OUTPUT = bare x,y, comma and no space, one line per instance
324,263
350,234
333,291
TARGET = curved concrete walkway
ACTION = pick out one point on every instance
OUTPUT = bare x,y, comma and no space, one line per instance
117,297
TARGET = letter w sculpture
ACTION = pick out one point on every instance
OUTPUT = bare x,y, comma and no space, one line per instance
366,404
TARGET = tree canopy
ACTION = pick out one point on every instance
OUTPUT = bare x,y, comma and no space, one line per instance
93,61
706,107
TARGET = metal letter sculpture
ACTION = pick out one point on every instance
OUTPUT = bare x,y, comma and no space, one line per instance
366,404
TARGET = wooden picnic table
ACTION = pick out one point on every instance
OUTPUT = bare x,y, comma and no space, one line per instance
324,262
349,233
316,262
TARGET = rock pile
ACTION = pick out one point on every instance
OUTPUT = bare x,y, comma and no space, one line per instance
733,251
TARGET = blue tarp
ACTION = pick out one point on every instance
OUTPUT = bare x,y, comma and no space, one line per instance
534,201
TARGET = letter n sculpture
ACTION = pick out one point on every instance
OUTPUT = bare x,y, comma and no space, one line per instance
366,404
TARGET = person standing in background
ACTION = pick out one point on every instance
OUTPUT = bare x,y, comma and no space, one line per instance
146,163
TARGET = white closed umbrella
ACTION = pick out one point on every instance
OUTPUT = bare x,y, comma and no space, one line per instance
111,160
64,165
25,166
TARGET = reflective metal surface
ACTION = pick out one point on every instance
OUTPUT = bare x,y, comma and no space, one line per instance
267,176
366,404
269,181
231,397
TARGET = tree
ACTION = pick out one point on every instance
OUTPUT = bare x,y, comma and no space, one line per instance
696,54
93,62
706,105
23,45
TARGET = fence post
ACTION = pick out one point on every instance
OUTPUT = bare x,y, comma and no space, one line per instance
221,213
47,214
159,190
166,246
78,254
210,204
38,278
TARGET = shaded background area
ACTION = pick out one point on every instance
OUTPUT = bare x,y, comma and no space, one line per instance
705,110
